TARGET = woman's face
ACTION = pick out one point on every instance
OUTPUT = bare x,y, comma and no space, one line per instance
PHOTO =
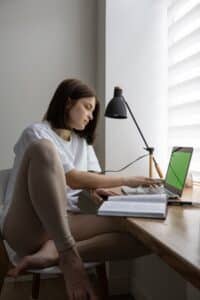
81,113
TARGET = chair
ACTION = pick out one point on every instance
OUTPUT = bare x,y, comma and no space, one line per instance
7,258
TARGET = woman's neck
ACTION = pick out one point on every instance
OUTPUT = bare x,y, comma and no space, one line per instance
65,134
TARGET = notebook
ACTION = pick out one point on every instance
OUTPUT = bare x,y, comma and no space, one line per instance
175,177
145,206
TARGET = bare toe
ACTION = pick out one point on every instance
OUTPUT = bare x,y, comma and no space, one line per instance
21,267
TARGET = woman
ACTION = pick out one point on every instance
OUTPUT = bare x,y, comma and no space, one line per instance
51,165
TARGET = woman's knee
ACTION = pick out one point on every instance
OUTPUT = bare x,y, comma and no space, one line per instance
44,151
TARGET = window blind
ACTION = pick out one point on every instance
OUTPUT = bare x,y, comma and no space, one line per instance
184,77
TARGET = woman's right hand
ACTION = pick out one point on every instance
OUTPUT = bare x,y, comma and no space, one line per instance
135,181
77,282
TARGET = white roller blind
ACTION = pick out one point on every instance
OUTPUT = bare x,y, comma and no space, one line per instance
184,77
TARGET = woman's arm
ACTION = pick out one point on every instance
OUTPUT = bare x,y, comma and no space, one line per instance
86,180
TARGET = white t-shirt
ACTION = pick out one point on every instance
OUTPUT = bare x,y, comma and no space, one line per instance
74,154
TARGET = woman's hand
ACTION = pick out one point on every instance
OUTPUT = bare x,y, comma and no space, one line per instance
100,194
77,282
134,181
106,192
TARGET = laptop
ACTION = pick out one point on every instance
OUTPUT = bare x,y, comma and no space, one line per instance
175,177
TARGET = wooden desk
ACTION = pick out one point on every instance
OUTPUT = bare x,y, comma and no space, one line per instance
177,239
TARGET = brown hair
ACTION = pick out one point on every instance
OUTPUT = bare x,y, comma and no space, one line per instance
74,90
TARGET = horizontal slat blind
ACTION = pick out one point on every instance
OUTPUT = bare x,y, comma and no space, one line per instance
184,77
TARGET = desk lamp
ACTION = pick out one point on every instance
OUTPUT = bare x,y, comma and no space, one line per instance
116,108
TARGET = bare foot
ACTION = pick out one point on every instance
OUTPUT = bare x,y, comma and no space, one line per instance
47,256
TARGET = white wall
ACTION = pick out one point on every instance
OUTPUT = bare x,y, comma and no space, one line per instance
136,61
152,279
100,82
42,42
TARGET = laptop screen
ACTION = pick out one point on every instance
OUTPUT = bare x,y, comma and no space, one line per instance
178,169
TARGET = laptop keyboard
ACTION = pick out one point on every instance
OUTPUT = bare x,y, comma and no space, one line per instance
161,190
149,190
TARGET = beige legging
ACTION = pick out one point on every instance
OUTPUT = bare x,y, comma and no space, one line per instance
37,214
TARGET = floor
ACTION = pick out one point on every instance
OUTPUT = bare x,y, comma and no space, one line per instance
51,289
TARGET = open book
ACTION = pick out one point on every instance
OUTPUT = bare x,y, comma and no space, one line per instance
146,206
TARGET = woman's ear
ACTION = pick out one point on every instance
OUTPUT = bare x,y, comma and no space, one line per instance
69,103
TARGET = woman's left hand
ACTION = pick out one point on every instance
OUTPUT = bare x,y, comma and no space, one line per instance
106,192
100,194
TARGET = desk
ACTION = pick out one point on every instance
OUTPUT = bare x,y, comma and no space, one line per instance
177,239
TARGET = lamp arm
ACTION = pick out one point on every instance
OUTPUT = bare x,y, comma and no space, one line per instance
136,124
150,149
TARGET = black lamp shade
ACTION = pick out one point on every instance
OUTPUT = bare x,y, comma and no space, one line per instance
116,107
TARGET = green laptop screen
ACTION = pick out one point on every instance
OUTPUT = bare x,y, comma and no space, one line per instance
177,169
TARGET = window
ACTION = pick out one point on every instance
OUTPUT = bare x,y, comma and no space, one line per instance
184,77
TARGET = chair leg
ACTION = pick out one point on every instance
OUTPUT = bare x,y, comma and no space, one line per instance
102,280
35,286
3,272
1,284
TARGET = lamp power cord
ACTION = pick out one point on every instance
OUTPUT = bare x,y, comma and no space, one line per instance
126,166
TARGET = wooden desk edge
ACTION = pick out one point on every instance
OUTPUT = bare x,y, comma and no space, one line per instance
178,263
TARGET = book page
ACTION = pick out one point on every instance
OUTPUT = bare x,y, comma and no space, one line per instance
140,198
129,208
